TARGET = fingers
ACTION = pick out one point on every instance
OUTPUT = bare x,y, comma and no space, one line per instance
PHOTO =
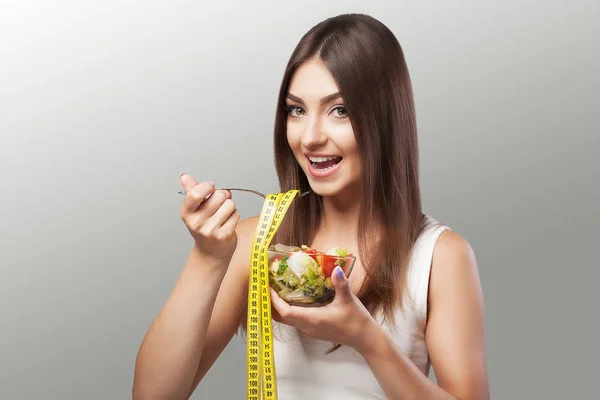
341,284
225,221
208,220
206,209
274,301
187,182
230,225
210,208
278,305
288,314
276,315
196,194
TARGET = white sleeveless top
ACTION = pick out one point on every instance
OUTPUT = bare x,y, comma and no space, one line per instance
304,371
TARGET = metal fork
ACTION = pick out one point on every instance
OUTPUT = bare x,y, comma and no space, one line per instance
255,192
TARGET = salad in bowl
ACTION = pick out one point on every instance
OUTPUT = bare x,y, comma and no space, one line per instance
302,275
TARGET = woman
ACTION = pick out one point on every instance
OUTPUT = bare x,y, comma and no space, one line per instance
345,130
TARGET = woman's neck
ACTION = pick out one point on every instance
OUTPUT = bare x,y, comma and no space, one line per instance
340,220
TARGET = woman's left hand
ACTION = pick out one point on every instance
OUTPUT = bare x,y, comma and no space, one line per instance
344,321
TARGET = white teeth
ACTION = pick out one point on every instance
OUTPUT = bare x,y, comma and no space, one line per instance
322,159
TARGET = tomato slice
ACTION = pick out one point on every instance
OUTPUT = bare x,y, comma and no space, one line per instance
313,253
327,264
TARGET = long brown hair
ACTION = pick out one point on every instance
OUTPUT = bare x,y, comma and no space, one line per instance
369,68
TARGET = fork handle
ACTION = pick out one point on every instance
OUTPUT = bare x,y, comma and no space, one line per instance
241,190
247,190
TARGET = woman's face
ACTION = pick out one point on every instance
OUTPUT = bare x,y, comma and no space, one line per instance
319,131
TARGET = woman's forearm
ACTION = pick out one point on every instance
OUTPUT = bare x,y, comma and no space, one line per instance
171,350
395,372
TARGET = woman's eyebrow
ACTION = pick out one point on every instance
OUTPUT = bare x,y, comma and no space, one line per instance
323,101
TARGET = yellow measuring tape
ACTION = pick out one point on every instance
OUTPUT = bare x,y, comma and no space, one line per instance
261,365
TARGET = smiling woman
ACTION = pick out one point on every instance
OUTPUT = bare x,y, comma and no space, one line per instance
345,130
346,95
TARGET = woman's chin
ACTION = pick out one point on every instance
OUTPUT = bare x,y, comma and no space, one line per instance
329,189
331,186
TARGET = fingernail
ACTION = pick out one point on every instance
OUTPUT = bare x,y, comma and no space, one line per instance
212,183
339,272
181,176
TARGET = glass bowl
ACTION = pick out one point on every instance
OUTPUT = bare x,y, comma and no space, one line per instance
304,278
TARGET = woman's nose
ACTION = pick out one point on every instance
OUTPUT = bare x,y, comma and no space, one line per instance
313,135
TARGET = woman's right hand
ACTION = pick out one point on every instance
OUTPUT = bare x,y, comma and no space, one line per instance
212,222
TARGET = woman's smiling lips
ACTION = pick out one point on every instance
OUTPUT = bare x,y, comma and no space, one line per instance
321,158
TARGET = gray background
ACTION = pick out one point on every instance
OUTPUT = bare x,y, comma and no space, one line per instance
103,105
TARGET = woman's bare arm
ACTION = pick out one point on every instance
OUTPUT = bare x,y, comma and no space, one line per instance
231,302
208,292
454,334
196,324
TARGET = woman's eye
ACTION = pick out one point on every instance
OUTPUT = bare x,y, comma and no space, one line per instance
294,111
340,111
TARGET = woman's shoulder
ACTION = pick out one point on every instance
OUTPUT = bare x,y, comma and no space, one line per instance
445,242
247,226
449,250
429,223
453,265
451,246
440,258
245,230
245,236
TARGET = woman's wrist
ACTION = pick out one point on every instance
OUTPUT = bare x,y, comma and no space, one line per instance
210,265
373,340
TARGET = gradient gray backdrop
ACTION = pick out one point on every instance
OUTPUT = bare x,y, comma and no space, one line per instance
104,104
